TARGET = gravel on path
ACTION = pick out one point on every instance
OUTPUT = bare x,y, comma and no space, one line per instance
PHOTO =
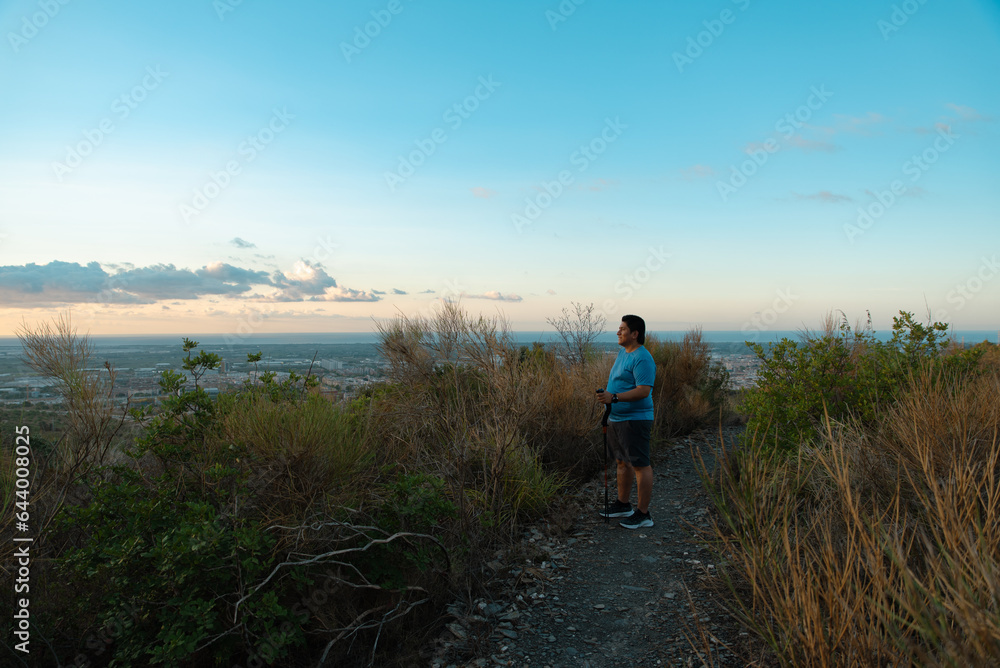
602,595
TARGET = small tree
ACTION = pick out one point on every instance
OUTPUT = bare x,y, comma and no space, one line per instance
201,364
56,351
187,417
578,330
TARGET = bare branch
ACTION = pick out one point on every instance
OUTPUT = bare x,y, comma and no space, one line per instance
321,558
578,330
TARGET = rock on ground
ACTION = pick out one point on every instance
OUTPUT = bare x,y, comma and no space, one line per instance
601,595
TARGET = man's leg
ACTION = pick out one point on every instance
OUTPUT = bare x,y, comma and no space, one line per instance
625,475
639,436
640,465
644,483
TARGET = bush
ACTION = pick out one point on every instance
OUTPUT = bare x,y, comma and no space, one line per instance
839,372
689,390
878,543
178,567
226,530
471,408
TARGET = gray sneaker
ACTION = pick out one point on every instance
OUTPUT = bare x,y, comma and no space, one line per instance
637,520
617,509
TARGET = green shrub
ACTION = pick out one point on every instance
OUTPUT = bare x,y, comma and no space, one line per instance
879,545
839,373
178,566
413,503
328,440
183,537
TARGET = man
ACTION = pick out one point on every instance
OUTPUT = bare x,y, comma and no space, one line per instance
629,386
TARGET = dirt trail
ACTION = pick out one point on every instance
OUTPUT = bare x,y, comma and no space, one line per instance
603,595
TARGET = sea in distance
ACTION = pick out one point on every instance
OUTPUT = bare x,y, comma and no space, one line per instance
522,337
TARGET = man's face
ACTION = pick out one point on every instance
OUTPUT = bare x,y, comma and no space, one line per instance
624,334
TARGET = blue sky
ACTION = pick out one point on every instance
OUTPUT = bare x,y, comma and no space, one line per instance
246,167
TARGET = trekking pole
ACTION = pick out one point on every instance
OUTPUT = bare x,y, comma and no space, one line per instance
604,430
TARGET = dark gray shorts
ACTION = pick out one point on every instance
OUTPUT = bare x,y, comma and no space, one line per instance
628,441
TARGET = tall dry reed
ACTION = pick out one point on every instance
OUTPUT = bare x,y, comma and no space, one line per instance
877,546
690,391
503,425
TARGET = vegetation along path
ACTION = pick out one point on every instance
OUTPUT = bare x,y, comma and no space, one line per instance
601,595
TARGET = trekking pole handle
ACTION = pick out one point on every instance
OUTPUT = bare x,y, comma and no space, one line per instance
607,412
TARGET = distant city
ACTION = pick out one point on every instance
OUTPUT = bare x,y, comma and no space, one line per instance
341,368
343,363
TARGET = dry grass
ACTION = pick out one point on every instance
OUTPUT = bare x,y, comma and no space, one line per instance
302,458
688,392
95,428
503,426
879,546
56,351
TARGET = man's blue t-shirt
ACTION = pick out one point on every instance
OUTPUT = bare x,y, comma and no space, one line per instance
629,371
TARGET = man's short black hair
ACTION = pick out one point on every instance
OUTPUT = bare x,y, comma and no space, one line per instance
636,324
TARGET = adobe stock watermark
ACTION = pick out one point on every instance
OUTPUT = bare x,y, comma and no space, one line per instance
247,324
247,152
113,287
901,13
704,39
122,107
364,34
113,291
763,320
633,281
582,158
250,322
967,290
20,562
562,13
99,642
453,116
759,154
32,24
223,7
452,293
915,168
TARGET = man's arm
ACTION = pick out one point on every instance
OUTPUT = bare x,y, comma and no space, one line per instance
635,394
